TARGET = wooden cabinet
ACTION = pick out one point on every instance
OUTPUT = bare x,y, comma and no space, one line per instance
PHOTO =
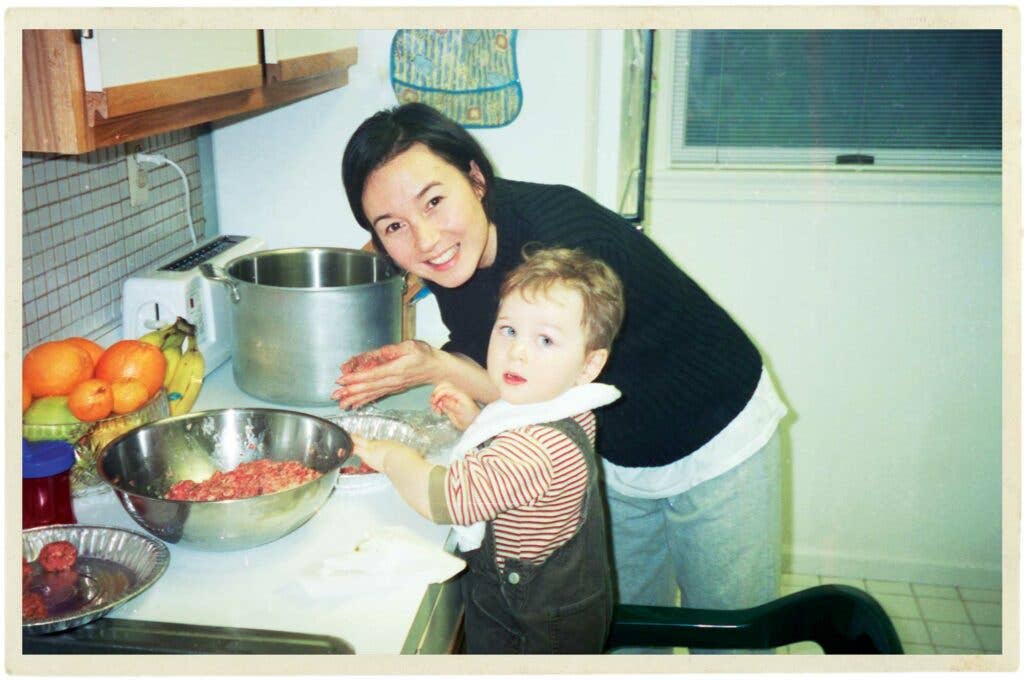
127,71
298,53
86,90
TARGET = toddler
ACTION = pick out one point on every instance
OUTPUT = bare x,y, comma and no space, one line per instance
522,490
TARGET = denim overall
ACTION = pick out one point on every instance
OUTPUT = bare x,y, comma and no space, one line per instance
560,606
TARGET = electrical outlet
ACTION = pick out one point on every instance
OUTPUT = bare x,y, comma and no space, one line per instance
138,180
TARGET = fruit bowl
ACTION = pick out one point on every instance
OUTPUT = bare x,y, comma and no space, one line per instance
89,438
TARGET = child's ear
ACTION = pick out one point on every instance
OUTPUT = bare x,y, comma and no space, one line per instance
592,365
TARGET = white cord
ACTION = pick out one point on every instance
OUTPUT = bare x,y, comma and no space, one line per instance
159,159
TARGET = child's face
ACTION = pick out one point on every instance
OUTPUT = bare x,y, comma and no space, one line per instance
538,347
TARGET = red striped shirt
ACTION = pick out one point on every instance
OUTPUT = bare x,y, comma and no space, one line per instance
530,482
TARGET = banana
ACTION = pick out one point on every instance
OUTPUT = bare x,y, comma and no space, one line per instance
187,380
184,326
172,354
160,335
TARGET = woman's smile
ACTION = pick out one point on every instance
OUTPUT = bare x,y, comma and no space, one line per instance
445,260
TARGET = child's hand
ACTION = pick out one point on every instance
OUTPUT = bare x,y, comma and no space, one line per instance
448,400
373,452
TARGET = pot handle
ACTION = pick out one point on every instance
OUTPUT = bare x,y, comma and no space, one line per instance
217,274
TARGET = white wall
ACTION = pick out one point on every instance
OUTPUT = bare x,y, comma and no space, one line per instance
278,173
876,300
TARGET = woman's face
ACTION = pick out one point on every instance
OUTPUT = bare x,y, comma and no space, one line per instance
430,217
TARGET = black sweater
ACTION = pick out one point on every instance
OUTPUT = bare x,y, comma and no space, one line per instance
685,369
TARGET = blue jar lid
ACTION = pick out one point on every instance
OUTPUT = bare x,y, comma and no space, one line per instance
45,458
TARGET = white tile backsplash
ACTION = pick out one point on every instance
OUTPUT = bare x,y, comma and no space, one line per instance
81,237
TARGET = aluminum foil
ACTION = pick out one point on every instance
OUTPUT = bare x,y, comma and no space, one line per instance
113,566
423,431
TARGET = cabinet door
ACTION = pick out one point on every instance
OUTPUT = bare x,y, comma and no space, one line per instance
143,82
127,71
291,54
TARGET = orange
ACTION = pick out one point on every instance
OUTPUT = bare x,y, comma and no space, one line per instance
128,394
91,400
89,346
26,395
54,368
133,359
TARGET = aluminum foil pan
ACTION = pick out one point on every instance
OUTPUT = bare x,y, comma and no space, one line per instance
373,426
113,566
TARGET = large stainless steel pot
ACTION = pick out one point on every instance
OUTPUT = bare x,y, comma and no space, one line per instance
299,313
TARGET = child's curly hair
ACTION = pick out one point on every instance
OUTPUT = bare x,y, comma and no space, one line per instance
597,284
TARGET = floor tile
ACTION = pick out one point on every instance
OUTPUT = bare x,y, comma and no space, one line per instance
938,609
899,605
838,580
924,590
981,594
991,638
911,630
805,648
890,587
985,613
915,648
805,580
960,635
957,650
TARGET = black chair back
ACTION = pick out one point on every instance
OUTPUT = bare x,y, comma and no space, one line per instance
841,619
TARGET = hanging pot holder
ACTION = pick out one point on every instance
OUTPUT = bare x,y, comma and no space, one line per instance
469,75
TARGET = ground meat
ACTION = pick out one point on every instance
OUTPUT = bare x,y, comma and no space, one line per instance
57,556
32,606
361,469
371,359
255,478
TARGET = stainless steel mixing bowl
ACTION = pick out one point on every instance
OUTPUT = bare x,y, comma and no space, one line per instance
144,463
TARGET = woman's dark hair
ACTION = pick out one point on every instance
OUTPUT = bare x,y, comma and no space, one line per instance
390,132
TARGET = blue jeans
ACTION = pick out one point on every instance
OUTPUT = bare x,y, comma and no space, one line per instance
716,546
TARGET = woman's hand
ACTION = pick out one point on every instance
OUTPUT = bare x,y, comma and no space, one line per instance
386,370
374,452
450,401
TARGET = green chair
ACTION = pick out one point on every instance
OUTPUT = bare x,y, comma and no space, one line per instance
841,619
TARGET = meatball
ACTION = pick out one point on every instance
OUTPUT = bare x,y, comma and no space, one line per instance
57,556
32,606
26,572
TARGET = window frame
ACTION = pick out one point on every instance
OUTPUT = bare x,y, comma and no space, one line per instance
797,158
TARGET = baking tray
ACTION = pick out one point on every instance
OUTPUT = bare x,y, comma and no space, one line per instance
121,636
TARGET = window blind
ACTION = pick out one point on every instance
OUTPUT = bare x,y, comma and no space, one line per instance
885,97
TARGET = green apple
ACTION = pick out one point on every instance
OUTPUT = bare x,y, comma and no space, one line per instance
50,418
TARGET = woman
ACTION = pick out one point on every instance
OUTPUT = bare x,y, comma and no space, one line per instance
690,451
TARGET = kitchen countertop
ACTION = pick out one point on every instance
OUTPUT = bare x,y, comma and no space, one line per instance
256,588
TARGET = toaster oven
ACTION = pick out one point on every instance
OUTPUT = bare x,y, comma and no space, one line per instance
176,288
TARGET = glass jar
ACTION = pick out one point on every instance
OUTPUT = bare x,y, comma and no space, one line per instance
46,483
